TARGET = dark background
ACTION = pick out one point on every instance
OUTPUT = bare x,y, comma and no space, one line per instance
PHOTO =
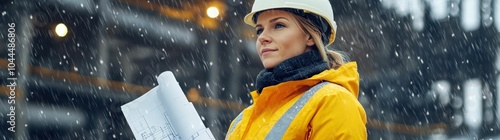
417,80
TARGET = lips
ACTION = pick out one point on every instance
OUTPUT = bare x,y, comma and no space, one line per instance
266,51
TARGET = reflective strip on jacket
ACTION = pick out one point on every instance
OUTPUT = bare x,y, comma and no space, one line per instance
285,111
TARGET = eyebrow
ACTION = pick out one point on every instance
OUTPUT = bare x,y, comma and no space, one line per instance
272,20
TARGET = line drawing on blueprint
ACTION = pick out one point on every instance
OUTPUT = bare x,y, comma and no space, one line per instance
165,113
160,127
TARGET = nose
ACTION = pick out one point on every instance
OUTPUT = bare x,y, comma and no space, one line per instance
264,38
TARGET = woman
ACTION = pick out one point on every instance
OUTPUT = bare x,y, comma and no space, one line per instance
305,90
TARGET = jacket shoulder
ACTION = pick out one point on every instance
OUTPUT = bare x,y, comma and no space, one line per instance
333,89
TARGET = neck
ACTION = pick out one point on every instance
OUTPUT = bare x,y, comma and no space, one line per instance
296,68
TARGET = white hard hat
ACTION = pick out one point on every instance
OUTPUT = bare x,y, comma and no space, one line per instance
320,8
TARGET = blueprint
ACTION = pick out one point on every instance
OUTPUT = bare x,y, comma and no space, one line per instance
164,113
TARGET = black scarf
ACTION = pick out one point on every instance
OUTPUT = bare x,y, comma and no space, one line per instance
296,68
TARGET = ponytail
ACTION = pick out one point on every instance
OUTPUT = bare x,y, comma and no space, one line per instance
335,59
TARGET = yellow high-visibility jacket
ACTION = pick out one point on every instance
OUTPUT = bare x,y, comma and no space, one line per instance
324,106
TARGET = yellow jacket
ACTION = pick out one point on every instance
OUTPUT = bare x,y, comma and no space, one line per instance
287,111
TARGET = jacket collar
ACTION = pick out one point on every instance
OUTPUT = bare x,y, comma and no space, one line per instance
346,76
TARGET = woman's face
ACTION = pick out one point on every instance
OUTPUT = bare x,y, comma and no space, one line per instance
279,37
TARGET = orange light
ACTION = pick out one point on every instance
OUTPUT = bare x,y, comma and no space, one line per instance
213,12
61,30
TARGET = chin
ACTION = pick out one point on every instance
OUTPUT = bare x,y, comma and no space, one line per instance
269,63
268,66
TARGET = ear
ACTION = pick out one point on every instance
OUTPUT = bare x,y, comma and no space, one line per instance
310,41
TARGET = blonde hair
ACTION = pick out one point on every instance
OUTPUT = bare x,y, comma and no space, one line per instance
335,59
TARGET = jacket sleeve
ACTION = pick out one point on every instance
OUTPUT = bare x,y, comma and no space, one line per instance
339,116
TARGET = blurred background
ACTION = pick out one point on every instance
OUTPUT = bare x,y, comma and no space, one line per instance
429,68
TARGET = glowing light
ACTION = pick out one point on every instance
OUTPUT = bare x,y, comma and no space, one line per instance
61,30
439,9
471,15
497,14
473,103
213,12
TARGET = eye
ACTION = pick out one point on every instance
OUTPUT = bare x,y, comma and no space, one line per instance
259,31
279,25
